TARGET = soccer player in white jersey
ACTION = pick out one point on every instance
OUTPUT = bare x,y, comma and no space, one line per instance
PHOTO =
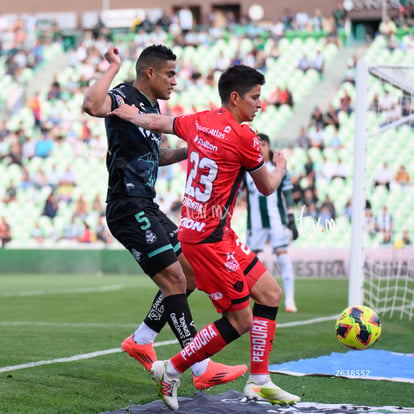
268,219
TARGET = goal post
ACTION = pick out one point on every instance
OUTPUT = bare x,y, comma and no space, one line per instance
385,277
356,261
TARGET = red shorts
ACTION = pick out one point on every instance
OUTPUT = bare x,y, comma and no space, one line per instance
226,271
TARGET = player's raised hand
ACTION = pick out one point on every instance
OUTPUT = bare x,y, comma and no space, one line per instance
279,160
112,56
125,112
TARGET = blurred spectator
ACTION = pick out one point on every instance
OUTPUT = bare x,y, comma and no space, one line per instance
68,177
28,149
304,64
345,103
10,192
39,178
186,20
36,108
5,232
335,140
318,63
383,176
97,204
53,177
317,138
401,20
340,15
309,167
301,21
277,29
317,118
370,223
324,216
72,230
286,97
51,206
309,203
87,235
387,28
402,177
331,117
350,72
329,205
384,221
316,22
37,233
25,182
347,211
297,192
386,238
43,146
54,92
387,101
326,169
287,19
303,140
15,149
4,147
310,193
403,241
102,231
340,170
81,208
274,97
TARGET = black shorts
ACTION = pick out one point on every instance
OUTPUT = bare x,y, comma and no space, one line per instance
149,235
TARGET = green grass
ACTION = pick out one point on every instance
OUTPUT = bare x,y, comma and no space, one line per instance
49,317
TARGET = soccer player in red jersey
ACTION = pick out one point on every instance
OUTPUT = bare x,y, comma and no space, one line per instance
221,149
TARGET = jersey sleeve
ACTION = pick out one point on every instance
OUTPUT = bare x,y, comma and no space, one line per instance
117,96
250,153
184,126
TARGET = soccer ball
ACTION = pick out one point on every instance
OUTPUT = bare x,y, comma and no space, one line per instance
358,327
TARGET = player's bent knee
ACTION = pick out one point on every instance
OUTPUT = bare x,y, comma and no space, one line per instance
171,280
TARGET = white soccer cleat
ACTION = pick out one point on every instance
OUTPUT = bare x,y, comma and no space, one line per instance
269,392
167,387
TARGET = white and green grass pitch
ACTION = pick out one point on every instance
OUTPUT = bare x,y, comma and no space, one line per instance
60,339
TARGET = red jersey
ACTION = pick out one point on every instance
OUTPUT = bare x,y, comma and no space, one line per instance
220,151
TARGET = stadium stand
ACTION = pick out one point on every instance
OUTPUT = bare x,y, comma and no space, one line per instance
65,157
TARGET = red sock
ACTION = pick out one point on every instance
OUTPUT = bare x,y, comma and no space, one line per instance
207,342
261,343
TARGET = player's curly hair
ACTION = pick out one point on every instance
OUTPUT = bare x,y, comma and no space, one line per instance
155,56
240,79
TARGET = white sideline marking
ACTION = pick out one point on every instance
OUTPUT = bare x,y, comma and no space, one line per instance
64,291
116,350
69,324
74,357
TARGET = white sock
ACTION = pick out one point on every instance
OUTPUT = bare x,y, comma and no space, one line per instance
288,278
171,371
199,368
259,379
144,334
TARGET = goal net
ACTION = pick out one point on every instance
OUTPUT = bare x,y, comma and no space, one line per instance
382,256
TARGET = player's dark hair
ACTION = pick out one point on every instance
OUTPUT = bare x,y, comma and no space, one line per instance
240,79
265,138
153,56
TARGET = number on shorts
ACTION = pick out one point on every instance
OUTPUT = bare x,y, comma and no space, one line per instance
144,220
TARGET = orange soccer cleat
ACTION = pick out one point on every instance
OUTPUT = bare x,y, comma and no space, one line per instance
144,354
217,374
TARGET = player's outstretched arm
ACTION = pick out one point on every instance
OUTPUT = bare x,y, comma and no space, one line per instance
170,156
267,182
96,101
152,122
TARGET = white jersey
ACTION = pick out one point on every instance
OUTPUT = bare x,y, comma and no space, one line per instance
266,216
